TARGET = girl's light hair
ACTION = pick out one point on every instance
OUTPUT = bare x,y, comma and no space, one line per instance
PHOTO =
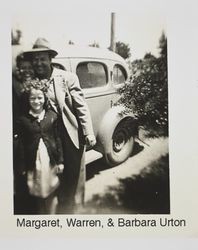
35,84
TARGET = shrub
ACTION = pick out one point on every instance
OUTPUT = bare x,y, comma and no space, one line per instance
146,95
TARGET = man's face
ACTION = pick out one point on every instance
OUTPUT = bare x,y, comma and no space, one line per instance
41,62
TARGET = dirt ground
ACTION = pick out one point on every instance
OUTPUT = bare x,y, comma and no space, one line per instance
139,185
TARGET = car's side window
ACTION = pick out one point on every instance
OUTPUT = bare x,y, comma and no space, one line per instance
92,74
119,74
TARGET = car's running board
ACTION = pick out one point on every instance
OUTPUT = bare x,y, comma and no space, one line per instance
92,155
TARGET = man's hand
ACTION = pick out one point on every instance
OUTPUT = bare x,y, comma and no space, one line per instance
59,169
90,140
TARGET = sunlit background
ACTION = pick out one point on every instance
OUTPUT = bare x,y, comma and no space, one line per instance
139,29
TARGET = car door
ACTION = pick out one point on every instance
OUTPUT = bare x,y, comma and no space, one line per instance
95,81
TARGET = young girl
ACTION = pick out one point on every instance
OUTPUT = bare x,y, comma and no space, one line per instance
41,152
23,72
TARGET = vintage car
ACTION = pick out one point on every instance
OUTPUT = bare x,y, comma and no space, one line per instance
101,72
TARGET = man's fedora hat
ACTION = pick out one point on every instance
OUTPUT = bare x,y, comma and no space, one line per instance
41,45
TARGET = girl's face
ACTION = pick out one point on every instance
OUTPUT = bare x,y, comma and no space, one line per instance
26,70
36,100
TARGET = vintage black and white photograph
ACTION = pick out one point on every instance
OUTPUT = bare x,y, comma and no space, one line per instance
90,113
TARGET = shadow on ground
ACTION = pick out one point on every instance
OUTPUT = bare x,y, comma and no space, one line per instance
100,165
145,193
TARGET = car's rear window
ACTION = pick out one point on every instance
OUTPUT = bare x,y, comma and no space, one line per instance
119,74
92,74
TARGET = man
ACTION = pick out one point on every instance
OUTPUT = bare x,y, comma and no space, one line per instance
67,99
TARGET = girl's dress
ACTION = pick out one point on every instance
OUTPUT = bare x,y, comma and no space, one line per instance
41,153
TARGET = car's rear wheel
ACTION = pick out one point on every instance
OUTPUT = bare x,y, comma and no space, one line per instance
121,144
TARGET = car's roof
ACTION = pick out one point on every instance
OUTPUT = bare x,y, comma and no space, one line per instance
72,51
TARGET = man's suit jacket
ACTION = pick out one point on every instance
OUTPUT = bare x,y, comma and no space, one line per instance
72,105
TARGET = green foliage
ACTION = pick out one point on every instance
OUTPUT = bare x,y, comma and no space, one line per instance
123,50
146,95
16,37
95,45
71,42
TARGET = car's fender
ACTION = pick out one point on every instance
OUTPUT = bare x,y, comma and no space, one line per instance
108,124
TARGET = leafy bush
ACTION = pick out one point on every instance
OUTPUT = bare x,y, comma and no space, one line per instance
123,49
146,95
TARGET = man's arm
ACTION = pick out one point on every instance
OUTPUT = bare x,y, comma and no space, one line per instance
81,109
